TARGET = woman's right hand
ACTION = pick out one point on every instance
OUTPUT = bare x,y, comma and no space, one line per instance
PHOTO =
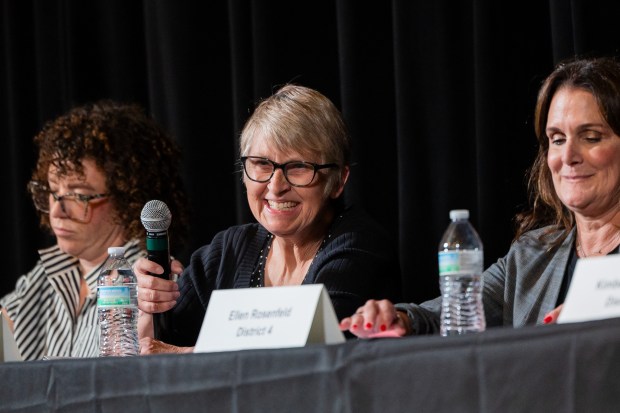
376,319
155,295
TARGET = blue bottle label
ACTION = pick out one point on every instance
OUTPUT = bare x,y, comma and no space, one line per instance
460,262
113,296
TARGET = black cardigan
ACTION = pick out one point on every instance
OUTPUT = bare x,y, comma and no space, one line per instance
357,262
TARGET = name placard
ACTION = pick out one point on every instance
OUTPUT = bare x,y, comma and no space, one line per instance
594,292
8,347
274,317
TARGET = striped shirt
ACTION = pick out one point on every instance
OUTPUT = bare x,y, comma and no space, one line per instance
44,307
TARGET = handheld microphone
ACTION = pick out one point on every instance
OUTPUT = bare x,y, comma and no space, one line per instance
156,218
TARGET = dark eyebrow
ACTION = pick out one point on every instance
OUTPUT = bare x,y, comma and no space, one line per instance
552,129
591,126
80,185
72,186
581,128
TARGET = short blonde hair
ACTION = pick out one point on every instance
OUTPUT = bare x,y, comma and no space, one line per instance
300,119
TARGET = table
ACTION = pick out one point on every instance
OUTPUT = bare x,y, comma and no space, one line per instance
557,368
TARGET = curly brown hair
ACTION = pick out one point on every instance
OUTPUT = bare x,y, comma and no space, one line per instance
137,157
599,76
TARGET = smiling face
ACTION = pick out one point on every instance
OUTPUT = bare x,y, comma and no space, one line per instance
584,154
297,213
90,238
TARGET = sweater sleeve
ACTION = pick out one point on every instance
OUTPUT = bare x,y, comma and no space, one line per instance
224,263
195,286
425,317
516,288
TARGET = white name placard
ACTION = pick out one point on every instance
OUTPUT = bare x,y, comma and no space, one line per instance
8,347
274,317
594,292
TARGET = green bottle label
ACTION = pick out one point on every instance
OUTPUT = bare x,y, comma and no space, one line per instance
113,296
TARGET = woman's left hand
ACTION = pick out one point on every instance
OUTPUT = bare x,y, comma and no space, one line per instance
552,316
150,345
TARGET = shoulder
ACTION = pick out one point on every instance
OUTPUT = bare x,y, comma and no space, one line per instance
216,264
232,242
354,222
237,236
536,250
33,283
542,239
356,233
26,283
355,238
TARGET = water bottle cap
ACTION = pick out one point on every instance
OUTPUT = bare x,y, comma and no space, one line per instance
116,251
459,214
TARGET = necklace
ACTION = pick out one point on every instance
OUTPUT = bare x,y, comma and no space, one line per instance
583,253
257,277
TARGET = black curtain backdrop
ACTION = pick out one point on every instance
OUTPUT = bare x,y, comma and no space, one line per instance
438,96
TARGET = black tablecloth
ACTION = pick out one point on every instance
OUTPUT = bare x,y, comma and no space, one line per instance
559,368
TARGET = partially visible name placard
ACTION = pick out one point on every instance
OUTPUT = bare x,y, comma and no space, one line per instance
274,317
594,291
8,347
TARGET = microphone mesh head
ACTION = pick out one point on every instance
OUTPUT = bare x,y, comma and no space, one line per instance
155,216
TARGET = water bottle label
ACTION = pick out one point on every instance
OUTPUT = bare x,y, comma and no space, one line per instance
113,296
460,262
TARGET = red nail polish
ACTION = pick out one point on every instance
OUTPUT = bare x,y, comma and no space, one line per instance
354,327
547,319
368,326
383,327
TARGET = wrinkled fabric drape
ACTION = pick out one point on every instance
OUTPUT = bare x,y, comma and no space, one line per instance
438,97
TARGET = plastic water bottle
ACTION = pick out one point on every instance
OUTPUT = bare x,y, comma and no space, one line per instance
460,275
117,306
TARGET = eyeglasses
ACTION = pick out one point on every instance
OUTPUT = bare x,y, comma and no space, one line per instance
296,173
75,206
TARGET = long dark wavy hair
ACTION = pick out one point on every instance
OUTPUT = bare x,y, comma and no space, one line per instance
137,157
599,76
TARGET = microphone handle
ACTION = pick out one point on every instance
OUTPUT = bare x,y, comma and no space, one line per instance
162,322
162,258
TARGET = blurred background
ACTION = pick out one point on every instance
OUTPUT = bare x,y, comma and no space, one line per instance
438,97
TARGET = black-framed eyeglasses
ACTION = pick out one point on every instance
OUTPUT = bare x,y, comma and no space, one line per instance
296,173
75,206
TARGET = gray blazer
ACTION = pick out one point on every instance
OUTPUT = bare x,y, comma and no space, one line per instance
519,288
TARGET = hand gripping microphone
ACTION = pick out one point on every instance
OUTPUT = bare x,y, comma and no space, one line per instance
156,218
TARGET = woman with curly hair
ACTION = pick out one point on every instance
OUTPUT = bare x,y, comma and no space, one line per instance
97,167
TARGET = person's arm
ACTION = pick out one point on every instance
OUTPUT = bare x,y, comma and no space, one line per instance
377,317
154,294
199,279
